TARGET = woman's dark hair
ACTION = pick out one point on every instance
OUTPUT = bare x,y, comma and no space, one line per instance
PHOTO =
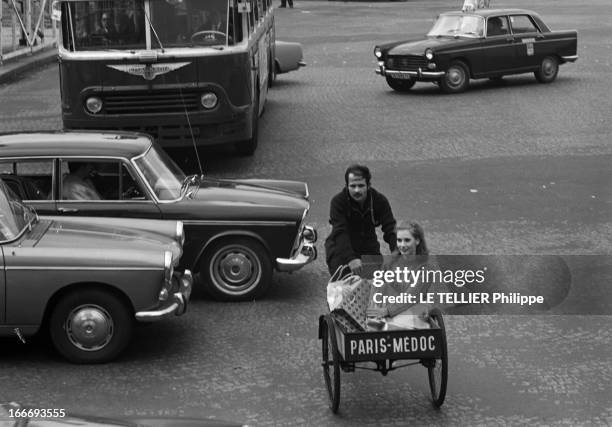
359,171
417,232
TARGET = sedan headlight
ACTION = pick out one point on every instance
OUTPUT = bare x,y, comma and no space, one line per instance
209,100
93,104
377,52
180,232
429,54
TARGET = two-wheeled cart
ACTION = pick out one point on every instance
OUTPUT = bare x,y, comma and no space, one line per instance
346,351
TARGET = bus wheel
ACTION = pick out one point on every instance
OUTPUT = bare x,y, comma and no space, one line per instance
247,148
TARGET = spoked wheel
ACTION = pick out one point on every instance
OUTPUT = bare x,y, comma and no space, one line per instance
331,362
437,369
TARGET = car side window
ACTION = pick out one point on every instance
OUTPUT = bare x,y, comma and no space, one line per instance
522,24
497,26
98,180
29,179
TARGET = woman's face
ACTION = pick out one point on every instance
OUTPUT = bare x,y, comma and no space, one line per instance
406,243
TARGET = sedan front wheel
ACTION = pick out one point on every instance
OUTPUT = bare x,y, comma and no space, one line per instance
456,79
90,326
236,269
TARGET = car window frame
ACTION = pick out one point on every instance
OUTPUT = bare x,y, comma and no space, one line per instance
530,18
50,198
122,161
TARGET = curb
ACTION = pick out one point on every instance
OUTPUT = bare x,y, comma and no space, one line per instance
14,69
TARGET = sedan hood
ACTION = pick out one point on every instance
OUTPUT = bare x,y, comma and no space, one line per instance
418,47
274,197
55,233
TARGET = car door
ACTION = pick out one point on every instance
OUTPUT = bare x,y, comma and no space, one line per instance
498,47
31,180
102,187
530,45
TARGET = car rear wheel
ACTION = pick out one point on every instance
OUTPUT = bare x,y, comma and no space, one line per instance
549,68
90,326
236,269
400,85
456,79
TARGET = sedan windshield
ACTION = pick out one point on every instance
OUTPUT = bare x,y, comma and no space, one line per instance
161,173
14,216
458,26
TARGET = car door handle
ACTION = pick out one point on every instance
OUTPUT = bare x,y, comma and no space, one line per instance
67,210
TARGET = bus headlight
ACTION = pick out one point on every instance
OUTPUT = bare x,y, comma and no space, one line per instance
429,54
93,104
209,100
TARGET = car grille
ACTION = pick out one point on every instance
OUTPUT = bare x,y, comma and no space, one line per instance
406,63
145,102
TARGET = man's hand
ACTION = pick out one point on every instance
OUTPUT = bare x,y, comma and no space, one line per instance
355,266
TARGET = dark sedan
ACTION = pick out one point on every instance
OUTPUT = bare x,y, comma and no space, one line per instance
485,43
237,231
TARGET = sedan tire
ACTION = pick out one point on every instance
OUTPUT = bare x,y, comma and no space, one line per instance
236,269
400,85
90,326
549,68
456,79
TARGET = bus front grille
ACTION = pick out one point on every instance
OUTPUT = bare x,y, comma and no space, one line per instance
406,63
150,103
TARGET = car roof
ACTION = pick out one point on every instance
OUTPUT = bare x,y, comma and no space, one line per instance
74,143
492,12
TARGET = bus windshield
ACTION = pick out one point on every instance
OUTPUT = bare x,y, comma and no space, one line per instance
122,24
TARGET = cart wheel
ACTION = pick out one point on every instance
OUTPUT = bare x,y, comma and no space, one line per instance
438,370
331,362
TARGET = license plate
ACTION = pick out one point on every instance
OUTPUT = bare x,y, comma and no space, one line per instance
399,75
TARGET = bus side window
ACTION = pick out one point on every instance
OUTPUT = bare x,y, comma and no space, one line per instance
235,26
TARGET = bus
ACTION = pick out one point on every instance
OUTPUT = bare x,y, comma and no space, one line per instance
187,72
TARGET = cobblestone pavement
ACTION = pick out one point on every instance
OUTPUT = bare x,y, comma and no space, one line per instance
512,168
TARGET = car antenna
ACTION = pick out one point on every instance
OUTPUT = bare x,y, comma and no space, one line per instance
195,148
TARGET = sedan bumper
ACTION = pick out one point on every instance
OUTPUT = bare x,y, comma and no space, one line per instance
419,74
176,305
306,253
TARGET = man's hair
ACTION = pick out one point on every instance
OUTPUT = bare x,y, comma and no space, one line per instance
359,171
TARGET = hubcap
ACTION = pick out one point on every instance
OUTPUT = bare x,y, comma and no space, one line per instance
455,77
548,67
235,268
89,327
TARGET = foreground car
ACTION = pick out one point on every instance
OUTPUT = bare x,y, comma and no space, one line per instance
237,231
477,44
289,56
84,280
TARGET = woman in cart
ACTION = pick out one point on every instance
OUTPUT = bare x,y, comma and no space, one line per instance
412,255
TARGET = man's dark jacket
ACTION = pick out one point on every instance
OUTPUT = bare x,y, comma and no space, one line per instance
354,228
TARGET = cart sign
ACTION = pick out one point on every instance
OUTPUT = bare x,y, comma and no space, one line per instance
402,344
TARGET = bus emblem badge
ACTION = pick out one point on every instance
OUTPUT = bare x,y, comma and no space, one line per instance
148,71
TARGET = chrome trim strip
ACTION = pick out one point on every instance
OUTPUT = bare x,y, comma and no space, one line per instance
570,58
234,222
